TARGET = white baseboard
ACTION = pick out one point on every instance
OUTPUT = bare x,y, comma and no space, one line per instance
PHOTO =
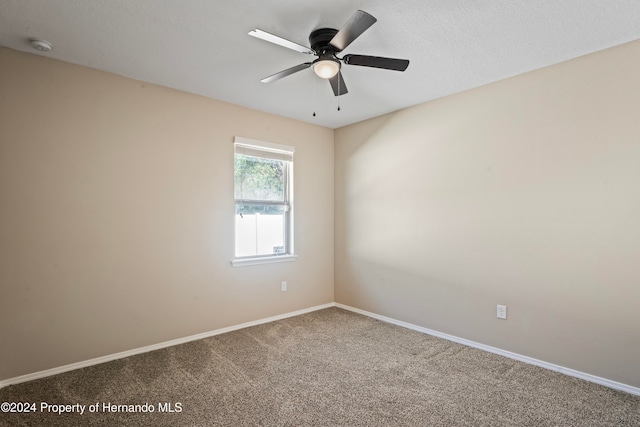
123,354
567,371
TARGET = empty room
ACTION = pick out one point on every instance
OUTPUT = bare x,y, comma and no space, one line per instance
416,213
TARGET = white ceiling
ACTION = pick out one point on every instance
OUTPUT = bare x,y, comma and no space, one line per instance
202,46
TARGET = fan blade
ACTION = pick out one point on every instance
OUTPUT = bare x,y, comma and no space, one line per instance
279,41
285,73
377,62
337,84
357,24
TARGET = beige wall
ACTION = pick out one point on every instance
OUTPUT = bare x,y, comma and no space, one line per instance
116,216
525,192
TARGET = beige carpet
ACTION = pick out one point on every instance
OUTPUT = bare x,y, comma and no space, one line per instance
327,368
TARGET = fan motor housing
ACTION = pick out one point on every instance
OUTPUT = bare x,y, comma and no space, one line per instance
319,40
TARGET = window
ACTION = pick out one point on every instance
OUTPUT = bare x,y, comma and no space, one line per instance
263,191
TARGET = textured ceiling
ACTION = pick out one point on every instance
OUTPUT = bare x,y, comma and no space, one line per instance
202,46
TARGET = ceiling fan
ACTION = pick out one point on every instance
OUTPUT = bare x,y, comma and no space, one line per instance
326,43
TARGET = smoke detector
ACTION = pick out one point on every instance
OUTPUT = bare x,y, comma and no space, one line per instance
41,45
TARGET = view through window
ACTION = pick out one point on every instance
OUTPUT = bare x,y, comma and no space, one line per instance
262,187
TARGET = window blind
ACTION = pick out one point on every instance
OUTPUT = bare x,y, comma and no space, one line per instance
269,150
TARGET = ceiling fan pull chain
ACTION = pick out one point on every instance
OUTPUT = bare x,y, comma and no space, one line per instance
339,78
315,83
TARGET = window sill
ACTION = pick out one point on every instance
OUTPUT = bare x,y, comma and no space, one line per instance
240,262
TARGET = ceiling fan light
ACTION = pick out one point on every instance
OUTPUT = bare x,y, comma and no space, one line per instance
326,68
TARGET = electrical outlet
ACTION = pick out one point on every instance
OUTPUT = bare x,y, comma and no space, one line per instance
283,286
502,312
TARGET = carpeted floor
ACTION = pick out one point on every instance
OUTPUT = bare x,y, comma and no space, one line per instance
328,368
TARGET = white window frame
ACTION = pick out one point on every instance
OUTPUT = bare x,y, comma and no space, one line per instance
274,151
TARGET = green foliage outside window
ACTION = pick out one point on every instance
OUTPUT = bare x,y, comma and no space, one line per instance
258,179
